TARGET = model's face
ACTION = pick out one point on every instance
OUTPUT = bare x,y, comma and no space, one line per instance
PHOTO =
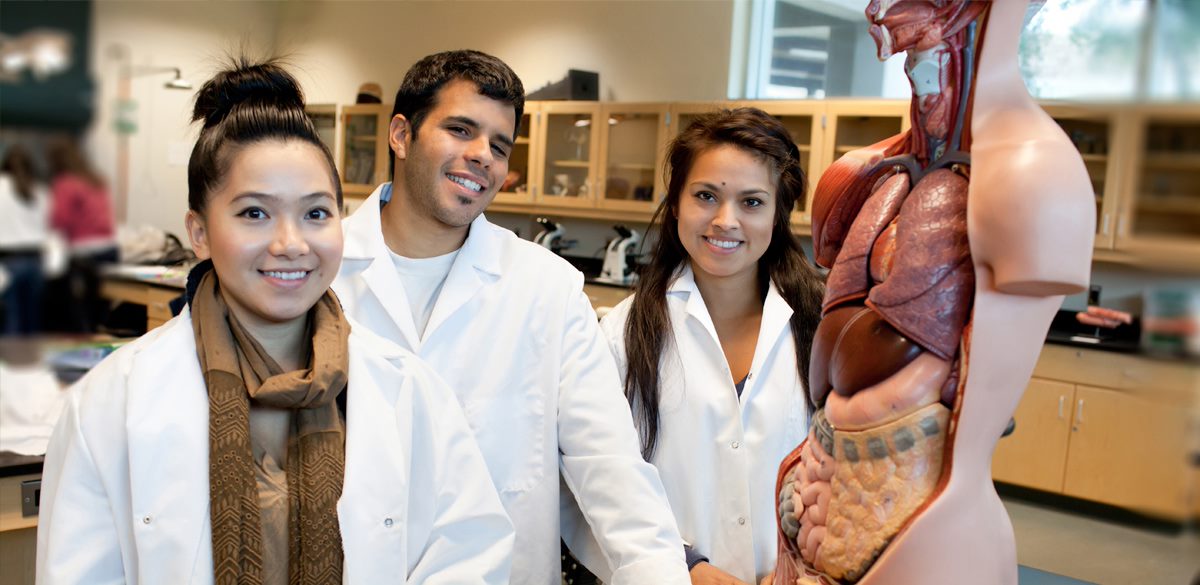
726,212
900,25
273,232
455,166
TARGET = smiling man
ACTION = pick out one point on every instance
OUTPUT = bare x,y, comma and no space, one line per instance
506,323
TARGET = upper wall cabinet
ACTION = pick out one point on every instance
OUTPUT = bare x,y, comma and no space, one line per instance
365,151
567,160
854,124
1160,213
327,121
520,186
632,138
805,123
1093,130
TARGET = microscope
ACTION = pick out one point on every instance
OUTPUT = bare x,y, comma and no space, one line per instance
552,237
617,267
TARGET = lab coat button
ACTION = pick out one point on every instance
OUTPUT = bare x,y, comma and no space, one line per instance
735,444
741,520
146,519
387,522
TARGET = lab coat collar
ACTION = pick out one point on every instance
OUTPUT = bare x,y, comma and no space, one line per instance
364,236
364,242
482,252
775,318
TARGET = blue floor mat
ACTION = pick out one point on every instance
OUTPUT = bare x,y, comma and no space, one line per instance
1031,576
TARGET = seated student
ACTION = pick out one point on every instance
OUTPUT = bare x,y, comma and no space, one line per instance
714,344
259,437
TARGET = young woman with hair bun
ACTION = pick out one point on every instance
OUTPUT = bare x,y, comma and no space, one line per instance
714,344
260,437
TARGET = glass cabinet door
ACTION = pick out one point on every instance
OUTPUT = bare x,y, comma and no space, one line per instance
632,146
803,123
568,172
1092,134
364,148
1166,201
520,183
324,118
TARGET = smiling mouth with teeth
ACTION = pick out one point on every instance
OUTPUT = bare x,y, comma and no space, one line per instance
468,183
290,275
726,244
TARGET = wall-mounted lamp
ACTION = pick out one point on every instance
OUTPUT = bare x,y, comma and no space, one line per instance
177,83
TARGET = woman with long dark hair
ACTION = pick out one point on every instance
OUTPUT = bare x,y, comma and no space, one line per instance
260,437
714,343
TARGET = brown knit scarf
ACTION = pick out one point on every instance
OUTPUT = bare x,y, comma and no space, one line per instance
237,371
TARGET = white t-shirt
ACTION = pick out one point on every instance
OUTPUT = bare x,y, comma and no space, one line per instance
423,279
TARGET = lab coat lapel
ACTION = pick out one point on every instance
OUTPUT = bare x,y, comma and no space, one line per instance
364,242
479,255
776,322
167,426
696,309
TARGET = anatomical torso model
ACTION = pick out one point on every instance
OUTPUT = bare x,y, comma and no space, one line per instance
950,247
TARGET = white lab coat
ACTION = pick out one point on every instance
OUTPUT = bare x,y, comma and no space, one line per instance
125,486
718,456
517,340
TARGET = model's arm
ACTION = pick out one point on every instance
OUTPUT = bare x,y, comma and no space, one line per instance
619,494
471,540
77,539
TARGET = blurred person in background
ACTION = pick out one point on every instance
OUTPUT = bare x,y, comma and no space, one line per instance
81,210
23,231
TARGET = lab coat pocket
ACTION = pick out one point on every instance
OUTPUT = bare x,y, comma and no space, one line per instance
510,429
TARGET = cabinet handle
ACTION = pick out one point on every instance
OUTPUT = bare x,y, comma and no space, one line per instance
1122,227
1061,402
1079,412
1104,224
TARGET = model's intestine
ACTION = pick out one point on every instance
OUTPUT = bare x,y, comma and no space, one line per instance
887,360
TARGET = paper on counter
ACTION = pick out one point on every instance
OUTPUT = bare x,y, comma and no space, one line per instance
31,400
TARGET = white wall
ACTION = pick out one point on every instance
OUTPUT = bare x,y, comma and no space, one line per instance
194,36
650,50
644,51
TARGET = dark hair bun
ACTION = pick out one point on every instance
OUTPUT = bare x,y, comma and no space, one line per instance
244,83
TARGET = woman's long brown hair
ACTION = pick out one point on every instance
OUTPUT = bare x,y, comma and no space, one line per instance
784,263
19,165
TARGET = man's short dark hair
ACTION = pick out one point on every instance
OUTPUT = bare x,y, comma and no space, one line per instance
496,80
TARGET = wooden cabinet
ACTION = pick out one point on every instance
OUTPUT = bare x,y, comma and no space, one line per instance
1128,450
853,124
328,122
567,160
1112,428
632,148
805,122
520,187
1096,133
1035,454
1160,213
365,153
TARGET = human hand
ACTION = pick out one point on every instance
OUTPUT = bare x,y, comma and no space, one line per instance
1101,317
706,574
